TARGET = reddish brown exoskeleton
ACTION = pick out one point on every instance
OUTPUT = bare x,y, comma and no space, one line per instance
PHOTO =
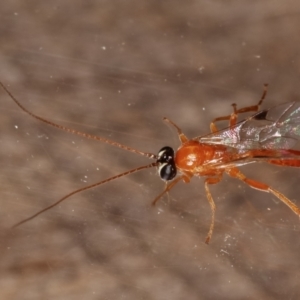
267,136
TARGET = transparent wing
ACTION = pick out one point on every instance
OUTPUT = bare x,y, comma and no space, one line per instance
274,128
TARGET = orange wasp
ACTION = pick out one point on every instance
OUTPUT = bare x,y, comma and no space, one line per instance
267,136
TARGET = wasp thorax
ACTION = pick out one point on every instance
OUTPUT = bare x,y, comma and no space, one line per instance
166,164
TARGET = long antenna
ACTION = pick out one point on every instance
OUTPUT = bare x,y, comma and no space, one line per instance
83,189
73,131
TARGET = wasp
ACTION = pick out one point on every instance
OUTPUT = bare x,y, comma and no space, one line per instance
269,136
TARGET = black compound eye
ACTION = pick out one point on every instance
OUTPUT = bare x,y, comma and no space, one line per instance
167,171
166,164
165,154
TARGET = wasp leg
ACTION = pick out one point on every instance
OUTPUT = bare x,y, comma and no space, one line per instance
234,172
169,186
211,180
182,137
233,116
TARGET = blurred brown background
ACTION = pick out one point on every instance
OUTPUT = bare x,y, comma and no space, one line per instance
115,68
